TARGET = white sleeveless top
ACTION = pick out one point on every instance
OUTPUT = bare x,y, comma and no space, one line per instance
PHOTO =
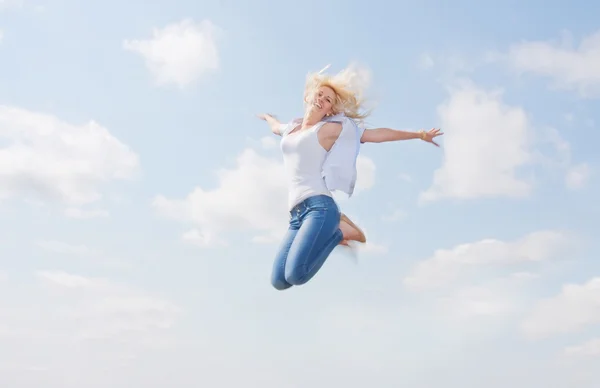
339,168
303,157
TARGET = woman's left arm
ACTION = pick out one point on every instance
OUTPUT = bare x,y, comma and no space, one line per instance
382,135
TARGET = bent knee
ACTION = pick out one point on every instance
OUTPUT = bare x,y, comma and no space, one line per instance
280,285
296,277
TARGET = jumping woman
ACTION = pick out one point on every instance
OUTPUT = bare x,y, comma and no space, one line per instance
319,154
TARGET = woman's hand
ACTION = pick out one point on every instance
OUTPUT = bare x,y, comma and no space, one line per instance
272,121
265,116
430,135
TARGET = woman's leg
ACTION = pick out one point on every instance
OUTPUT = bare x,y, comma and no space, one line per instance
318,235
278,273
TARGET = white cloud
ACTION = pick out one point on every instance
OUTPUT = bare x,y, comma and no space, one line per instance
365,170
45,158
493,300
62,250
570,68
250,196
491,148
493,295
498,298
5,4
372,248
1,36
67,280
577,176
486,142
590,348
576,307
268,142
179,53
203,239
83,214
447,265
101,309
65,318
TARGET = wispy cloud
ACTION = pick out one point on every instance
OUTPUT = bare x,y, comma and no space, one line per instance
179,53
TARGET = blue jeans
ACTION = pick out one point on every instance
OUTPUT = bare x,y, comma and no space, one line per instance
312,235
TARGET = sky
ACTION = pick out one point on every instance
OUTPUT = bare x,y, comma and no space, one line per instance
142,201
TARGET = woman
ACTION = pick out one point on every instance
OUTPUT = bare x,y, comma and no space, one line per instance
319,153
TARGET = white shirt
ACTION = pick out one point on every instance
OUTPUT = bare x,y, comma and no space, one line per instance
303,157
339,167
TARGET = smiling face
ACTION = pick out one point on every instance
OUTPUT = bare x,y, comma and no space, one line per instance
322,100
326,95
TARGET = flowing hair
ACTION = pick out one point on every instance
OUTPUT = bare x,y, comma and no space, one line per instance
349,86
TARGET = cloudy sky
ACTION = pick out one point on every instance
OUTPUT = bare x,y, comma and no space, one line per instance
141,201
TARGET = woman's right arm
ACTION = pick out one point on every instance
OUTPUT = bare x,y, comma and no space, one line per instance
273,123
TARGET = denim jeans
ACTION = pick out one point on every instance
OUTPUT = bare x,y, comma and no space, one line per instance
312,235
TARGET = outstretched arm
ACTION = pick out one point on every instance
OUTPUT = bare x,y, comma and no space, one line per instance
382,135
272,121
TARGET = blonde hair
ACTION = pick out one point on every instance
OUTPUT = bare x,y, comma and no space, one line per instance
348,85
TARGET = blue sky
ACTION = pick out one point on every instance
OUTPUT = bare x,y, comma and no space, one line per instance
141,201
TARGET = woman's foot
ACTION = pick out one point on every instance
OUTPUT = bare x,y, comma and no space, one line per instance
350,231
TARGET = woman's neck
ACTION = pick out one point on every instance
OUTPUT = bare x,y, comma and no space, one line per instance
311,118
